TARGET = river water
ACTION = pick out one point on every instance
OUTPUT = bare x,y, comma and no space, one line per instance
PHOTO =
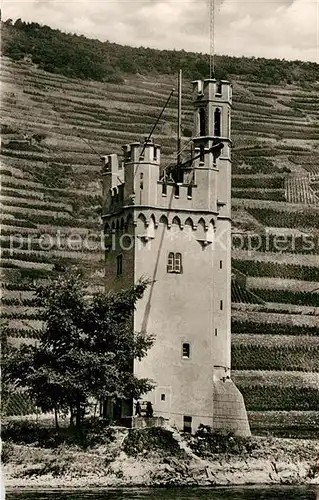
229,493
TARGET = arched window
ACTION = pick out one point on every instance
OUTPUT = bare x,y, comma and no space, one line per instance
202,122
217,122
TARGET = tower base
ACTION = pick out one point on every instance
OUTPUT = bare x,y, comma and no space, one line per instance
229,409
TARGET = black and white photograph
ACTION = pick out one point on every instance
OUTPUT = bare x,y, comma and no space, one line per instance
159,272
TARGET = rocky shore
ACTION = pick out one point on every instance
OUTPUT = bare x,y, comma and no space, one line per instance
270,461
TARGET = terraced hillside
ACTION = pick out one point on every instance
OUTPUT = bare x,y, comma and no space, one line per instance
54,130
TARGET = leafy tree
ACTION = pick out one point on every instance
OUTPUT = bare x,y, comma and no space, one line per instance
86,350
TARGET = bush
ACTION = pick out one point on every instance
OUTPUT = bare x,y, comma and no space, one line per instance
154,439
207,443
93,432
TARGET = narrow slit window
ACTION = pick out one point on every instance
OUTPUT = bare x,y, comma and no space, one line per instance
202,122
216,332
220,264
221,305
189,192
176,190
186,350
162,397
155,154
217,122
202,154
119,265
164,189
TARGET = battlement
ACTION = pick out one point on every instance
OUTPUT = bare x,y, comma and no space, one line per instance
145,151
211,90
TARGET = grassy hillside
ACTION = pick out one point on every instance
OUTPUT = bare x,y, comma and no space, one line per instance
53,130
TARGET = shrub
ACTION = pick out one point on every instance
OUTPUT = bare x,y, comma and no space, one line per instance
93,432
154,439
207,443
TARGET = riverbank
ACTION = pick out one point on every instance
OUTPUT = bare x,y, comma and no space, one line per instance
132,460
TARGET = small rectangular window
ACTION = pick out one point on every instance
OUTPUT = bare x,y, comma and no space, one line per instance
164,189
187,424
119,265
186,350
221,305
176,191
189,192
162,397
220,264
174,263
216,332
155,154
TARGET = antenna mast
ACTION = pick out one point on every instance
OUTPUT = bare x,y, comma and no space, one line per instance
211,38
179,118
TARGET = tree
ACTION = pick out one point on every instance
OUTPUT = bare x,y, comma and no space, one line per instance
86,351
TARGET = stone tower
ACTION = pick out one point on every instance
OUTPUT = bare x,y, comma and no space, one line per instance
178,234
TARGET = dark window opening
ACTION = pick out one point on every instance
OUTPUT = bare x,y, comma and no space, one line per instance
186,350
187,424
217,122
202,122
221,305
119,265
202,154
164,188
155,154
216,332
162,397
176,190
218,88
220,264
189,191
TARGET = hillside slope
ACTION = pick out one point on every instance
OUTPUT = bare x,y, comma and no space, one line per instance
53,130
